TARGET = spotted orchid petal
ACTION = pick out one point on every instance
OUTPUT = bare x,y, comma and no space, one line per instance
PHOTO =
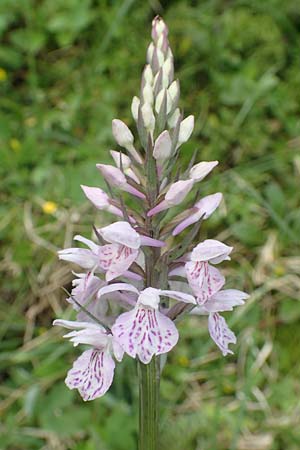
145,332
204,280
92,374
115,259
201,210
221,333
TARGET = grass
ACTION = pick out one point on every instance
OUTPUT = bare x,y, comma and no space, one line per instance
66,69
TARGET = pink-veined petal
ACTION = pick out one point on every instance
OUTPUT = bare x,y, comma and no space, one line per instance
204,279
145,332
221,333
117,287
92,374
180,296
115,259
225,300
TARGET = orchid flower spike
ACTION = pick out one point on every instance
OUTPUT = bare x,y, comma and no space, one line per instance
132,248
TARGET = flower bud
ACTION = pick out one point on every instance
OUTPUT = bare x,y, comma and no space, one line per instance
148,94
121,133
159,100
200,170
148,117
174,91
147,74
174,196
150,52
119,158
135,107
178,191
124,138
186,129
173,119
126,164
158,28
167,70
162,146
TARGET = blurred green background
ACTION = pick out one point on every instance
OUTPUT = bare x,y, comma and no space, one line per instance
67,67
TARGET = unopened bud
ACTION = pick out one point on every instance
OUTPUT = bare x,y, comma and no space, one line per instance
148,117
159,100
147,74
123,161
150,52
135,107
186,129
162,146
200,170
121,133
167,70
158,28
173,119
124,138
148,94
174,91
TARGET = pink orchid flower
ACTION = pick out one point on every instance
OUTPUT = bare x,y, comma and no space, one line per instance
204,279
202,209
113,258
219,331
125,242
92,373
145,331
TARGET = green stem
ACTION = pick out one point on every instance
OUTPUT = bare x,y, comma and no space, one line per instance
149,375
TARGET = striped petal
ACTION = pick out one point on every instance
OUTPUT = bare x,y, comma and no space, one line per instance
92,374
145,332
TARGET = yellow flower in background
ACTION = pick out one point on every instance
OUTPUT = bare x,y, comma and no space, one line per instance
183,361
15,144
49,207
3,74
30,121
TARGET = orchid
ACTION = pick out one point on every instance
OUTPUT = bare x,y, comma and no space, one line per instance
143,246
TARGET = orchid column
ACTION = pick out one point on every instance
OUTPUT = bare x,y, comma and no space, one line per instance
135,261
